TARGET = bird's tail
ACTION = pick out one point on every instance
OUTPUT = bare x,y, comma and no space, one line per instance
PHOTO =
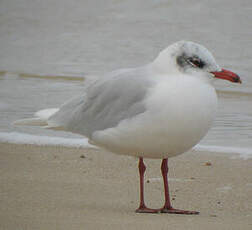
40,119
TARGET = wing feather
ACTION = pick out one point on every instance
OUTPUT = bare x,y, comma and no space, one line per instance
117,96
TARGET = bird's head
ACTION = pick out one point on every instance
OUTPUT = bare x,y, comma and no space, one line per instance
192,59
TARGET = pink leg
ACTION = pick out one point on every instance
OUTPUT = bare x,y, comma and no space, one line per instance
167,208
142,207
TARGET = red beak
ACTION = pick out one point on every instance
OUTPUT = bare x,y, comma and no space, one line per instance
227,75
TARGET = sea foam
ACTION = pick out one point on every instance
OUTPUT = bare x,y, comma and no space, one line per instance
23,138
244,153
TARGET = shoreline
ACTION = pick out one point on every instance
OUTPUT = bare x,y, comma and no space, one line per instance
25,139
52,187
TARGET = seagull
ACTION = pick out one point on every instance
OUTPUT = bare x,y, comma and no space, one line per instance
158,110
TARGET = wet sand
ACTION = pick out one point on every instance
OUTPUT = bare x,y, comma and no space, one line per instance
68,188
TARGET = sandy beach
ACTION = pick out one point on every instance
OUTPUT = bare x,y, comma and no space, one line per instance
70,188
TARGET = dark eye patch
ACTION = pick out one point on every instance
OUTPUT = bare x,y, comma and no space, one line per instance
183,60
196,62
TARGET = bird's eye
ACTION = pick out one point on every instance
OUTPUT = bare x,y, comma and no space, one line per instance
196,62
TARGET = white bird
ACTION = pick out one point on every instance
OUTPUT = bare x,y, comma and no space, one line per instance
159,110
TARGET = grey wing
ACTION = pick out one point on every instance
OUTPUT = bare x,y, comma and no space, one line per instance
118,96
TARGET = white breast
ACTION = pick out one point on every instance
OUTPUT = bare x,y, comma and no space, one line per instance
179,113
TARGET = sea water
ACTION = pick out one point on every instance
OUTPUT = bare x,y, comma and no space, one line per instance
49,47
